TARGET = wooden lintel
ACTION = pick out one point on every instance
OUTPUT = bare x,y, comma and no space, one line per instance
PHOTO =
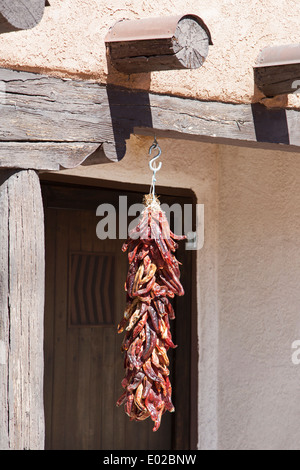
45,155
16,15
251,125
48,123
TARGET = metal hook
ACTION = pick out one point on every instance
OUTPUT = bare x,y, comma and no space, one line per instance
155,167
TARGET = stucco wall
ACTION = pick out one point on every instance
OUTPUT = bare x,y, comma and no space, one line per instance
248,285
69,41
259,299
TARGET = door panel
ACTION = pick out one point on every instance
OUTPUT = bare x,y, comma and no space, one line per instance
85,300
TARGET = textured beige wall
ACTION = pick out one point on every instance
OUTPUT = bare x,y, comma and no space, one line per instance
259,299
70,42
248,284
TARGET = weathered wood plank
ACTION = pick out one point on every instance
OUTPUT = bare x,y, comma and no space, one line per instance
24,14
66,120
50,261
52,110
47,156
22,300
48,123
233,124
4,313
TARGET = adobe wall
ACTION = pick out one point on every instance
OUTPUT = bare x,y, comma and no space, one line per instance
69,42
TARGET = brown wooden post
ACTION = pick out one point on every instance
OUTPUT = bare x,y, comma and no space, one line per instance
21,310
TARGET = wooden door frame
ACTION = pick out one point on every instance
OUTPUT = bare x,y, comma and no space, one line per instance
61,180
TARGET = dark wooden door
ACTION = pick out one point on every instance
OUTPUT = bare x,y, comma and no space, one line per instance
85,300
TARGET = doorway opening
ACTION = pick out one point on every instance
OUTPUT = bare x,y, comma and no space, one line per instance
84,302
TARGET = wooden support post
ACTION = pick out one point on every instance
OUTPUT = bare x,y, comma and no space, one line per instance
21,310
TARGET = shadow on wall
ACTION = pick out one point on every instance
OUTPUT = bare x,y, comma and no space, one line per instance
128,108
269,114
270,124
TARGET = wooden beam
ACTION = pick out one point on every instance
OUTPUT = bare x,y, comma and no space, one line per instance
48,123
48,155
21,311
16,14
232,124
164,43
277,70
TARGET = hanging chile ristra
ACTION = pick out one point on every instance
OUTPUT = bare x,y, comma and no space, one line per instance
152,279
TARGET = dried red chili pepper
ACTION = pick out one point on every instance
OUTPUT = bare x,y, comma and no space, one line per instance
153,278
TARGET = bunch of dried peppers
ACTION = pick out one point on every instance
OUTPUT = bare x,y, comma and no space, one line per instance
152,279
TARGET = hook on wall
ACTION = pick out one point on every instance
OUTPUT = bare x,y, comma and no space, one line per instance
153,166
155,146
